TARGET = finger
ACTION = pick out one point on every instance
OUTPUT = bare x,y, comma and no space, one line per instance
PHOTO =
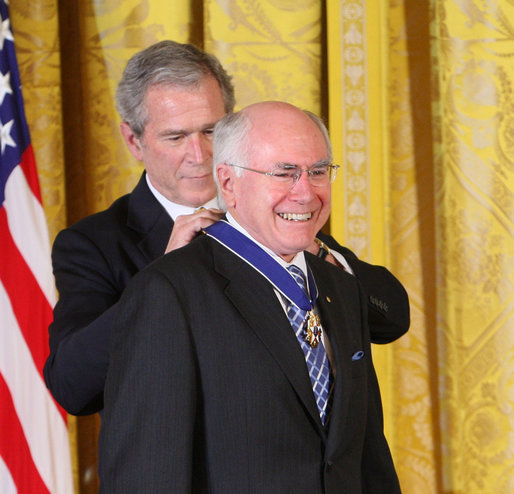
188,226
211,214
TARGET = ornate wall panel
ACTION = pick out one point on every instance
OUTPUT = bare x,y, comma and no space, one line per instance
350,122
271,47
475,212
380,118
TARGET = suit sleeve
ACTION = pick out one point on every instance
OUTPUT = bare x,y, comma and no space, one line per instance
387,300
146,437
79,334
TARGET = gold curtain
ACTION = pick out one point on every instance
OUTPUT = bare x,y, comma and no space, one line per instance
434,140
272,48
419,99
474,178
379,67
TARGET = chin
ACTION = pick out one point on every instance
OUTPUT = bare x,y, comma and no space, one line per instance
303,237
297,247
200,198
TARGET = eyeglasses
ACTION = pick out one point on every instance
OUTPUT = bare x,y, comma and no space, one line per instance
320,174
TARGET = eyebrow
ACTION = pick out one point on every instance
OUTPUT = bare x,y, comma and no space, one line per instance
285,164
173,132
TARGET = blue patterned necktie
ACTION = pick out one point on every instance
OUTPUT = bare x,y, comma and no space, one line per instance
316,358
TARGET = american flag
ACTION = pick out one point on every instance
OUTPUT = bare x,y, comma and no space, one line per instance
34,444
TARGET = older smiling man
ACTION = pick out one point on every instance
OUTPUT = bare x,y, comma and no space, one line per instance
240,363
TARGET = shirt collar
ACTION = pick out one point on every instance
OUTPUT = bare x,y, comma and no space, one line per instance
174,209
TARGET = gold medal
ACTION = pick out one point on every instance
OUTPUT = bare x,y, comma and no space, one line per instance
313,333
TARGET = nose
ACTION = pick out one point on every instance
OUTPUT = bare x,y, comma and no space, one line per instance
303,190
199,147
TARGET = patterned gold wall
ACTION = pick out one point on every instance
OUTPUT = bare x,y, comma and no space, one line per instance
474,217
272,48
443,113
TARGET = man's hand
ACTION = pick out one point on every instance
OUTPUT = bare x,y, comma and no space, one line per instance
188,226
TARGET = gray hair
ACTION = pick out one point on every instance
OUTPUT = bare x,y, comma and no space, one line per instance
166,63
230,142
324,131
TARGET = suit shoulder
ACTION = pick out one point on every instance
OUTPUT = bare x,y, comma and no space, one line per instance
104,221
193,256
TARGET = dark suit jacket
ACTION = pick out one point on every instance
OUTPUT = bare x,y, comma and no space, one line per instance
208,390
93,261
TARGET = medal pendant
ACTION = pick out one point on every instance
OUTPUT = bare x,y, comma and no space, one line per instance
313,334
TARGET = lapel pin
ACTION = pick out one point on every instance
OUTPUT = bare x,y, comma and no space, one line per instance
357,355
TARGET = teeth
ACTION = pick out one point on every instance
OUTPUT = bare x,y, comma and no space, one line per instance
295,216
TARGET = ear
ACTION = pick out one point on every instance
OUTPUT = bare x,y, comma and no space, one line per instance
226,178
133,142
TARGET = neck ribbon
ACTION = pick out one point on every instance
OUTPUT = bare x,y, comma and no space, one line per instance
247,250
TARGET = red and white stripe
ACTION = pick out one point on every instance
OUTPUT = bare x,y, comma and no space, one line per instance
34,441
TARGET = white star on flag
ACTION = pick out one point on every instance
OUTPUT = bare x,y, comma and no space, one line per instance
5,86
5,32
5,135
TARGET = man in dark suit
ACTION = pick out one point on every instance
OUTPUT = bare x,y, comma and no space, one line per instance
228,373
169,99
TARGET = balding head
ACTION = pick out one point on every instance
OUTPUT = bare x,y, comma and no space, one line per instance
262,155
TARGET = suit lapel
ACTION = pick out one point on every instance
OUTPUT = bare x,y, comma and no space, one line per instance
150,220
256,301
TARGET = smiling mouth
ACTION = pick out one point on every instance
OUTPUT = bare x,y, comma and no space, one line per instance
295,216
